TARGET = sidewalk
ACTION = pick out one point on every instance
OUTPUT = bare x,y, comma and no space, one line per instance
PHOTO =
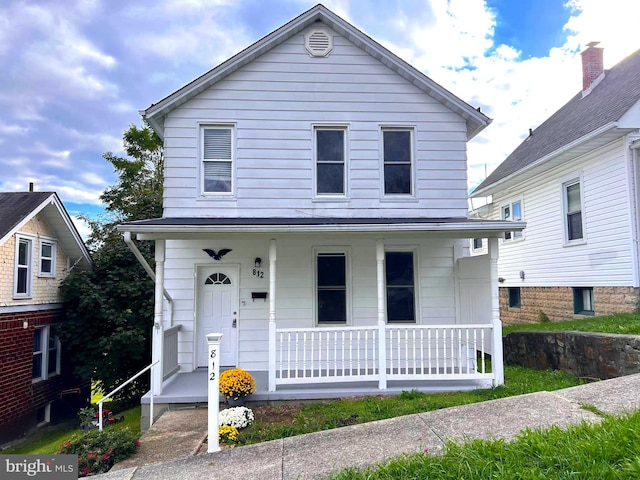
315,455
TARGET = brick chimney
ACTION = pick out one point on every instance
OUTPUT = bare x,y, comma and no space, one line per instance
592,65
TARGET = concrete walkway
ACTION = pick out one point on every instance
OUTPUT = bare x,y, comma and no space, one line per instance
179,436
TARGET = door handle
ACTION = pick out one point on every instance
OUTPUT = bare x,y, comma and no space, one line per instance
234,324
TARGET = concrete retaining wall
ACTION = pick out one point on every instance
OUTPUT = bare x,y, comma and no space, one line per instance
592,355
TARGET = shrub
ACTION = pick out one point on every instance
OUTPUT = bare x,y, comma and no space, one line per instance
236,383
227,434
99,450
239,417
543,317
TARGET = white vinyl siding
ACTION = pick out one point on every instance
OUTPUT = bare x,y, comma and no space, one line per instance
275,101
606,259
217,160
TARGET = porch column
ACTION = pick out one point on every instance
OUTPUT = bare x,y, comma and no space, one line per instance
382,341
157,335
272,315
497,359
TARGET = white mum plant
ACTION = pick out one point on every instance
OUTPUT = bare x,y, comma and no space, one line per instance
239,417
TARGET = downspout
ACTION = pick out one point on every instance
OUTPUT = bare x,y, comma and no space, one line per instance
143,261
634,190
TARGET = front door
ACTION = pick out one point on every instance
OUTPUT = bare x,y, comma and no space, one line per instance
217,313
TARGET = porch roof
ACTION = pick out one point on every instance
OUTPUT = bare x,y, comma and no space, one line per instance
452,227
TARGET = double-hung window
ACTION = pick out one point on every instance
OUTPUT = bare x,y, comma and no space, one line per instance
397,152
512,212
47,259
330,161
217,160
46,354
331,272
400,283
23,267
573,210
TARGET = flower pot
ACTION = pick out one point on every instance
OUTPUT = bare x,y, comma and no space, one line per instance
236,402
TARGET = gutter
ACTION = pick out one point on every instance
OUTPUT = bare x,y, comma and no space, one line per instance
143,261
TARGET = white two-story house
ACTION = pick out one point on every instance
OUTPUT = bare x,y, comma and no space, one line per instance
575,181
315,214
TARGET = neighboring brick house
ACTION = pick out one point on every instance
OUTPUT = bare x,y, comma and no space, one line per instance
39,246
575,181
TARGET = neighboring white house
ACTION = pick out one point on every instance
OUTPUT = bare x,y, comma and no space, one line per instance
315,213
574,181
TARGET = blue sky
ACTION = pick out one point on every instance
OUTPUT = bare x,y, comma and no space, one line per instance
76,72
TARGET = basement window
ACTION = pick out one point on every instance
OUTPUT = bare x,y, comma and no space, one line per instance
515,299
583,301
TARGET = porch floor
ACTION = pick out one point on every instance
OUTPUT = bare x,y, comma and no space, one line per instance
191,388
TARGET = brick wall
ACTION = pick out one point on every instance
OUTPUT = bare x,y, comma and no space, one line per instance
557,303
19,397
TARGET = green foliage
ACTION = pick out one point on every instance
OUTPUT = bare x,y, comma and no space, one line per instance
623,323
608,450
110,309
543,317
99,450
338,413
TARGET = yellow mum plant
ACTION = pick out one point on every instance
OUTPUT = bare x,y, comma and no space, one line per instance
236,383
227,434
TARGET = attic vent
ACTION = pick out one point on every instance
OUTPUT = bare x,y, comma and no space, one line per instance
318,43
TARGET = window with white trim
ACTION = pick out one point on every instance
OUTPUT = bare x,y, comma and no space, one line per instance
330,160
47,259
23,267
331,285
583,301
46,354
217,160
477,243
400,286
397,154
512,212
573,210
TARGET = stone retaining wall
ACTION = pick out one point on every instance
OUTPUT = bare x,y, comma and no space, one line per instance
592,355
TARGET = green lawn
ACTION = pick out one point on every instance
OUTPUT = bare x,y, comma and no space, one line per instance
607,450
624,323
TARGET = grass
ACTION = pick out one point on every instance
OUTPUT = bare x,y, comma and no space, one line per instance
607,450
271,424
623,323
48,439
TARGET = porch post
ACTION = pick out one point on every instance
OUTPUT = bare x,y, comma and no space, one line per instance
158,323
213,393
272,315
497,359
382,341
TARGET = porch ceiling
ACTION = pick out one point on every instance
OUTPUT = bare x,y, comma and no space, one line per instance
166,228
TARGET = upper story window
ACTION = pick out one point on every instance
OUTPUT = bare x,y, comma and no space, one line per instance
477,243
217,160
573,210
331,282
23,267
397,152
330,161
47,259
512,212
400,283
46,354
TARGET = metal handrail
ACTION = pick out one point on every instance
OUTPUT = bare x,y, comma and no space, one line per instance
119,388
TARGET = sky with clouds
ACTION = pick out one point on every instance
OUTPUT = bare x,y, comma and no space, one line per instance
75,73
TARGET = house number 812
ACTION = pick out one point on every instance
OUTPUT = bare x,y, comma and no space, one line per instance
258,273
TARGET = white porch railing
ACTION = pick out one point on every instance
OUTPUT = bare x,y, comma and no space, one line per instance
413,352
170,352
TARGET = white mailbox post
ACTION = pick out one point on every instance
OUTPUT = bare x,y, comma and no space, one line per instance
213,340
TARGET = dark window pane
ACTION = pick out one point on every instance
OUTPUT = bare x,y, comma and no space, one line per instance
514,297
22,280
330,145
37,340
397,179
332,305
37,366
23,253
574,221
46,250
399,267
46,266
331,271
397,146
331,178
53,361
400,304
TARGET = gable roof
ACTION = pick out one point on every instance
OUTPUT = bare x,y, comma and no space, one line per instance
591,121
475,120
18,208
